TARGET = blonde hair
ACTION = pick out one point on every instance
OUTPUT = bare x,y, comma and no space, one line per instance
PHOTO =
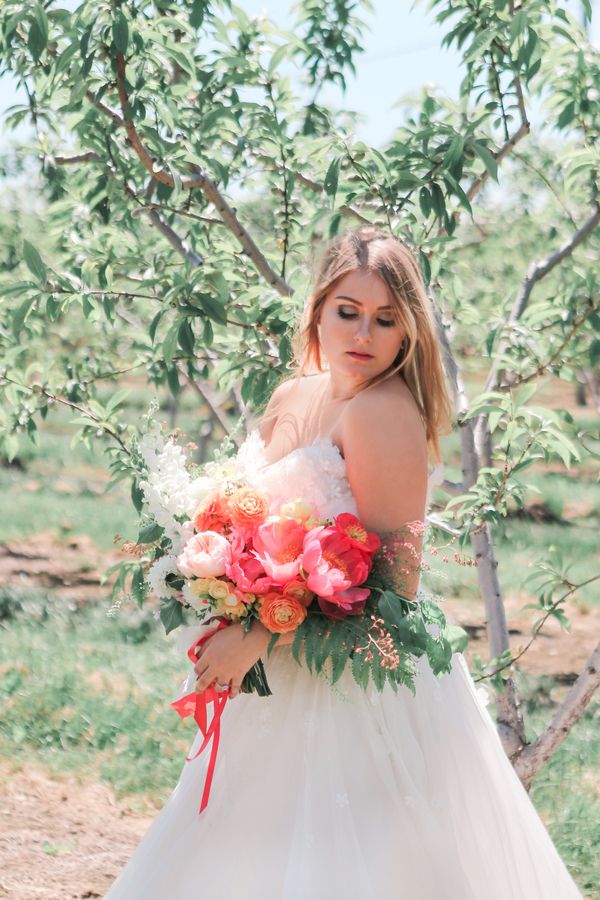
419,360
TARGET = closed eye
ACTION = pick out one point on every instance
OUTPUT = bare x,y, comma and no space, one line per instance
387,323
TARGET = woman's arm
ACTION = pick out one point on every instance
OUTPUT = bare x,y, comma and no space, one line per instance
385,448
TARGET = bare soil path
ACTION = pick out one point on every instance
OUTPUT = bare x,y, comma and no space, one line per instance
61,839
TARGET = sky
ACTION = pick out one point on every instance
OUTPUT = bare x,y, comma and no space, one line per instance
402,54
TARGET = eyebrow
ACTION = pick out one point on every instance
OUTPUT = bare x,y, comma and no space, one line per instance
352,300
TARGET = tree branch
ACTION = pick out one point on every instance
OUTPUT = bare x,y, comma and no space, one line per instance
535,755
510,723
205,184
540,269
175,241
536,271
88,156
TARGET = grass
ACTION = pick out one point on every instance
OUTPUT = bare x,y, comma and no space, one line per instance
82,692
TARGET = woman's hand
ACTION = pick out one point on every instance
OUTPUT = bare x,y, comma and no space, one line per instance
227,655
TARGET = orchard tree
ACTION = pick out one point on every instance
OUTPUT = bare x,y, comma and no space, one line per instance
188,166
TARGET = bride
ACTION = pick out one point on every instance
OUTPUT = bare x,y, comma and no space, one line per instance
325,792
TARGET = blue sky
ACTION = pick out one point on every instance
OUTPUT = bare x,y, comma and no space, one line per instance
402,54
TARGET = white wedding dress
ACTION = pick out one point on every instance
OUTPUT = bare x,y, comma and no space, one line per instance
333,793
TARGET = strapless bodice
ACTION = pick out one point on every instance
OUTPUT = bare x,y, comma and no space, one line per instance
316,472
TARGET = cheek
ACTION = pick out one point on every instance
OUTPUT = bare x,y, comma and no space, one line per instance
332,328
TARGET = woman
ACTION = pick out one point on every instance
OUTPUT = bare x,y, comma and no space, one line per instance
325,792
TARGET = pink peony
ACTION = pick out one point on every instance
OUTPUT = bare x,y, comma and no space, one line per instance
335,568
248,574
206,555
278,546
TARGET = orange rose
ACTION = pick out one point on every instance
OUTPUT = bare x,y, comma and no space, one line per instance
247,508
211,513
281,613
297,589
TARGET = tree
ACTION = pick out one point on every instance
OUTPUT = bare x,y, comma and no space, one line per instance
187,174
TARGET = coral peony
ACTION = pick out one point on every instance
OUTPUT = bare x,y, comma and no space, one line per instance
281,613
356,533
332,564
247,508
278,546
205,555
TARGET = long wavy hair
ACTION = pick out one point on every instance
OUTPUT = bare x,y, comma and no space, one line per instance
419,360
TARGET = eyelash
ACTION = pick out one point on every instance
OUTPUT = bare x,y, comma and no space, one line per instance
387,323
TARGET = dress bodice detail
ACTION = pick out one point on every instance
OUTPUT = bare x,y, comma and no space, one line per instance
316,472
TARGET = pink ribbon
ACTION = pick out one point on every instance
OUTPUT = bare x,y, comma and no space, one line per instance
197,705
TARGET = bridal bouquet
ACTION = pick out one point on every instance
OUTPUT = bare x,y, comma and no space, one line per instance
214,549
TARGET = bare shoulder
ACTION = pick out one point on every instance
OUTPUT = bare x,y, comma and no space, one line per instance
385,448
286,394
388,414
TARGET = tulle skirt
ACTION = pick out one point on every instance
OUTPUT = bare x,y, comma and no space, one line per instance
333,793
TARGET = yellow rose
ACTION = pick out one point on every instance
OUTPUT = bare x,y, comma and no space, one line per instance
218,589
233,606
199,586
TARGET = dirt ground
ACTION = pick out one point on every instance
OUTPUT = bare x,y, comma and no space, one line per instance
61,839
66,837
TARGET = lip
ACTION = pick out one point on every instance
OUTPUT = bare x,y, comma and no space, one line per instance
357,355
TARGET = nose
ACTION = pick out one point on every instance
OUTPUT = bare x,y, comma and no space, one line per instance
363,330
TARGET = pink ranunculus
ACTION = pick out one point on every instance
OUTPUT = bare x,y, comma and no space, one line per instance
332,564
345,603
206,555
277,544
248,575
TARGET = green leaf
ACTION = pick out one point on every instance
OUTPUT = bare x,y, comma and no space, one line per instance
150,533
20,316
171,614
169,344
486,157
185,337
137,496
277,57
213,308
173,380
454,152
34,263
120,31
457,637
330,184
37,38
11,446
425,201
139,588
199,8
437,199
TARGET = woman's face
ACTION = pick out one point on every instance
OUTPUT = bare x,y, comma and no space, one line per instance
357,318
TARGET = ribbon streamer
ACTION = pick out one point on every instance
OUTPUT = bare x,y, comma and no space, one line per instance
197,705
